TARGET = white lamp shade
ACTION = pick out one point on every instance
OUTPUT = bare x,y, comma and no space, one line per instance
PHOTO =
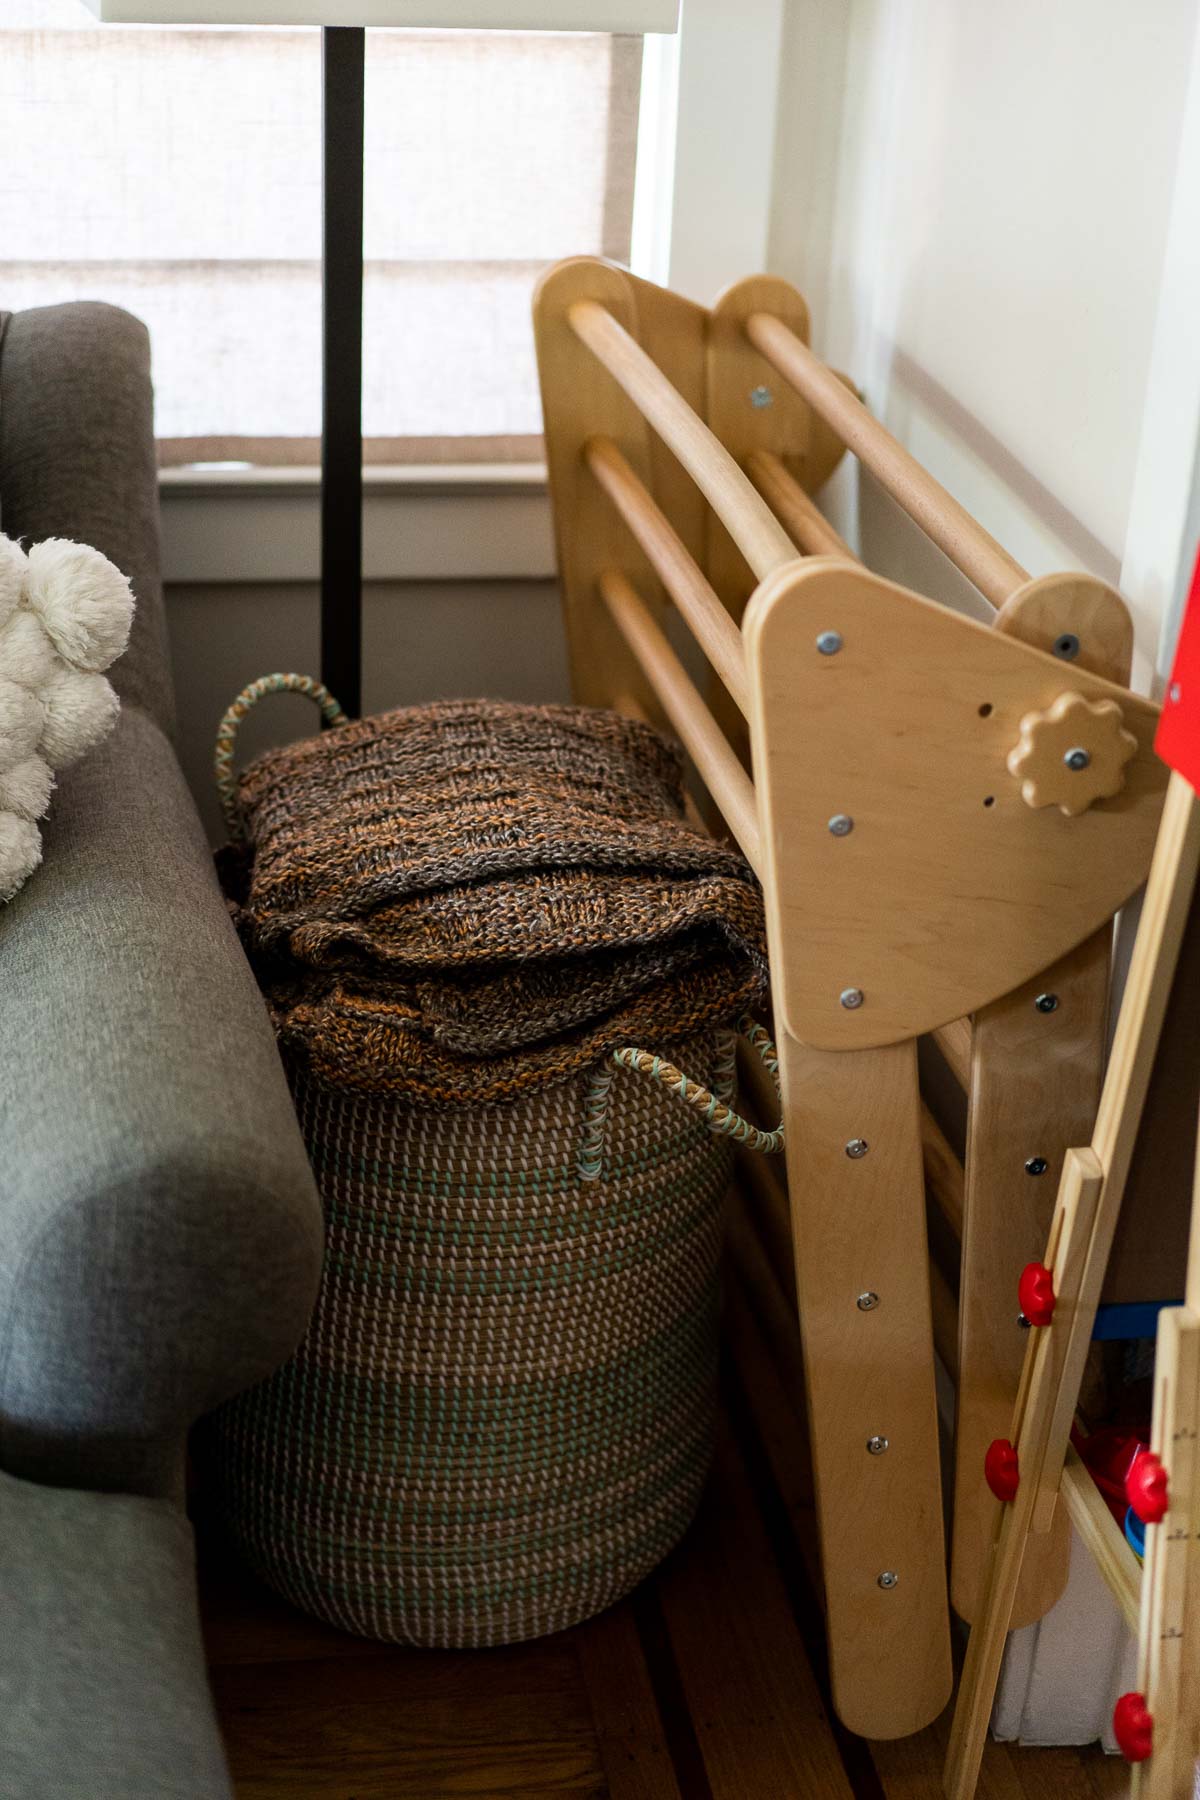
467,15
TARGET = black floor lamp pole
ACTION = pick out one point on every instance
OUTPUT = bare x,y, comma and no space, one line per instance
341,425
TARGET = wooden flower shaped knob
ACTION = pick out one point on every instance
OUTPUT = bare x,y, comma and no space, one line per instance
1072,754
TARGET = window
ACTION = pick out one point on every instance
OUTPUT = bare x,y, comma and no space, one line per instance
177,173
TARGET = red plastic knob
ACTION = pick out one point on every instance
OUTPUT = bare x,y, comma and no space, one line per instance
1035,1293
1002,1469
1133,1727
1146,1488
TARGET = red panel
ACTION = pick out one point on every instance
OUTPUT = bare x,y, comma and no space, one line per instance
1178,740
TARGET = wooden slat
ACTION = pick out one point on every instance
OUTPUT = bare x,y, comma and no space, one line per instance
629,1730
1037,1058
718,767
754,1702
970,548
954,1042
1088,1204
711,625
858,1225
944,1309
749,521
416,1722
803,517
1109,1547
943,1172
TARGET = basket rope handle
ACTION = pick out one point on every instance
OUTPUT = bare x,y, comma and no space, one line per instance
716,1113
227,730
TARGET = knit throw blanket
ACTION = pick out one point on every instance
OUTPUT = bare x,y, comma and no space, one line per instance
461,902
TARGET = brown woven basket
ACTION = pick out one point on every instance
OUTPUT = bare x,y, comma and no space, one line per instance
502,1414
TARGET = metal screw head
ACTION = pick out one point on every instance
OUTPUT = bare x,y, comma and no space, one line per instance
857,1147
1047,1003
1067,646
877,1445
851,998
1078,758
1023,1322
761,396
867,1302
829,642
841,825
887,1578
1175,693
1036,1165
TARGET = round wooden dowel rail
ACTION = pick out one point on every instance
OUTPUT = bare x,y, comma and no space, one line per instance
746,516
705,742
951,527
714,630
803,518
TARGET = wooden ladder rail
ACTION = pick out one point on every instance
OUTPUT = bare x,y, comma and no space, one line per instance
1030,1064
1169,1622
879,1690
1088,1205
829,1096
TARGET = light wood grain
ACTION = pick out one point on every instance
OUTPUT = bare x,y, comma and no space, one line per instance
937,902
943,1172
747,407
1033,1088
1088,1203
970,548
954,1042
1072,605
805,521
711,625
749,521
1035,1085
858,1226
680,700
945,1319
1169,1625
1081,1182
581,400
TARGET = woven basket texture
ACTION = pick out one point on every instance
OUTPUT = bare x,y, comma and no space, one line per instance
502,1414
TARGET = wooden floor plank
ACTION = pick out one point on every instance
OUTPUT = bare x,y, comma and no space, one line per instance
630,1734
757,1711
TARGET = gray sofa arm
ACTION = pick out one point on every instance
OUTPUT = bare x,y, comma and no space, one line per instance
160,1232
77,460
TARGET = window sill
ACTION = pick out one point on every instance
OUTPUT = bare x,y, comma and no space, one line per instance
453,522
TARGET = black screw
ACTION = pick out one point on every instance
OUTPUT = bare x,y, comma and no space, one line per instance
1067,646
1023,1322
1037,1165
1047,1003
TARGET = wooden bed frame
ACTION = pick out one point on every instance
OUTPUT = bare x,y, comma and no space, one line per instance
944,817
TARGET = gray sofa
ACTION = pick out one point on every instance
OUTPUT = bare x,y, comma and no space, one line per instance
160,1234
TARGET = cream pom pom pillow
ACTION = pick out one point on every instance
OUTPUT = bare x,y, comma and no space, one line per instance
65,613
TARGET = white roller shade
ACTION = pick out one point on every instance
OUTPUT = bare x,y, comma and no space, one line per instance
178,174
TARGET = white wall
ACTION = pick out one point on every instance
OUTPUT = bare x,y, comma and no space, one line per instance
982,223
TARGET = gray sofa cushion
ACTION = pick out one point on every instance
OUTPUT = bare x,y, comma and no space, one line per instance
103,1693
77,460
160,1231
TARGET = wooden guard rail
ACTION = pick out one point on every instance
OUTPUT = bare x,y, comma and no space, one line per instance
746,516
705,742
714,630
970,548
